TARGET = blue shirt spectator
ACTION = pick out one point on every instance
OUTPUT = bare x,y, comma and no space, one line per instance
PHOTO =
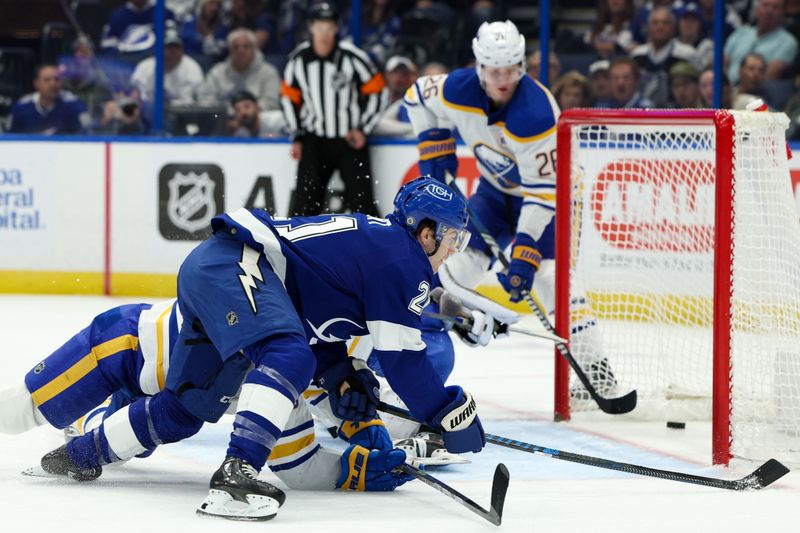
49,110
204,33
640,21
130,27
379,29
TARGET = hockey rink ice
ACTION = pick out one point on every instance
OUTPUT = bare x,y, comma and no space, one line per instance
512,383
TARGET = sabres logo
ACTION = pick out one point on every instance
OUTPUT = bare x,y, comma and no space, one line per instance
501,166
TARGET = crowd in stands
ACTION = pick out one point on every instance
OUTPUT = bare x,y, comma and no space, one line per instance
228,56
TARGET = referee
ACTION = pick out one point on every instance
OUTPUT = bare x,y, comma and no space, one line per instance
332,97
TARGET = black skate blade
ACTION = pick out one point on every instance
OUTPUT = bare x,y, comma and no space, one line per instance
38,471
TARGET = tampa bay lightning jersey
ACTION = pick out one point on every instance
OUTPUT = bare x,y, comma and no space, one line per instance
514,146
352,275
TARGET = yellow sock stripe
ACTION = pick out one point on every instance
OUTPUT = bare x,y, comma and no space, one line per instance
527,254
433,149
349,429
86,364
353,345
292,447
160,343
311,393
357,461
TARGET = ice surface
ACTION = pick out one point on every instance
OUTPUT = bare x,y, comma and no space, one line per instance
512,383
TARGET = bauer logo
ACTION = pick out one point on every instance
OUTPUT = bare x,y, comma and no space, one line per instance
189,196
664,205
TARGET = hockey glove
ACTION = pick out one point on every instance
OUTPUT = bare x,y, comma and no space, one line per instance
462,430
363,469
357,402
525,261
478,330
371,435
437,153
211,402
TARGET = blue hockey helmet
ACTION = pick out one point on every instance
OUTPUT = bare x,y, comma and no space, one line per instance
427,198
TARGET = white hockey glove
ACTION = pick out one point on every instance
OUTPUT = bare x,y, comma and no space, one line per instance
475,327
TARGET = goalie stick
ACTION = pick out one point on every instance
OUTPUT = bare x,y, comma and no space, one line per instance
761,477
614,406
499,488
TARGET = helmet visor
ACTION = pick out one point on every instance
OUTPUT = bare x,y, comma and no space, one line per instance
457,239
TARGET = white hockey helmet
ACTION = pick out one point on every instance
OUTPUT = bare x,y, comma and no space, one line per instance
498,44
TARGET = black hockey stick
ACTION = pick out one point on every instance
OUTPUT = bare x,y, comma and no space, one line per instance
764,475
614,406
499,488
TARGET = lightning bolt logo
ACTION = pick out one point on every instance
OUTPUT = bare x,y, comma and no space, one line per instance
250,273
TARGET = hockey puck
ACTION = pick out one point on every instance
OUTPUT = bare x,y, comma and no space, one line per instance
676,425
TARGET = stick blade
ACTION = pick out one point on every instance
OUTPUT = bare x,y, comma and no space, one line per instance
764,475
499,489
617,406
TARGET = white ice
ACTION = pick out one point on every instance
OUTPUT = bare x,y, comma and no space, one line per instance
512,383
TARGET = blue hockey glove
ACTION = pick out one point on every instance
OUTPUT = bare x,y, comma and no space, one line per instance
358,402
371,435
525,261
437,153
461,428
211,402
363,469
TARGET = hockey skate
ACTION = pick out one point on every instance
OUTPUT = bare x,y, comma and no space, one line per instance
236,494
427,449
57,464
602,377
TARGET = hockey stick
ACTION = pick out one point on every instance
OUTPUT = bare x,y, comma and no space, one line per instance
614,406
499,488
456,322
764,475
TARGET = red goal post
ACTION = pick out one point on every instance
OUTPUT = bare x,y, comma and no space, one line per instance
667,222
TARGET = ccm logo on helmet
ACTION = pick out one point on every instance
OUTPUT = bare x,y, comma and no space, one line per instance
439,191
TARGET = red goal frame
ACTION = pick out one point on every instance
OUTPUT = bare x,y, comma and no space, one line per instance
723,124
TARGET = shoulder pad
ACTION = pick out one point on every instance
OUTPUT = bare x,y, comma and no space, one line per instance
462,90
531,114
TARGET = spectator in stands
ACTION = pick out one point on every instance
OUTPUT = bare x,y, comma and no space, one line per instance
752,73
731,22
241,14
533,64
706,87
183,9
657,56
572,90
611,34
49,110
684,85
600,84
123,116
400,73
245,68
792,110
768,38
182,75
625,76
691,32
249,121
204,33
380,27
81,75
130,27
641,22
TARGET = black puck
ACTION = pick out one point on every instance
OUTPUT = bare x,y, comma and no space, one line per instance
676,425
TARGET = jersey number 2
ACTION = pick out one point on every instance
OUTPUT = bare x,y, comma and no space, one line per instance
421,300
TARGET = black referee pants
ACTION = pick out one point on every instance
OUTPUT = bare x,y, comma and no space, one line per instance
319,158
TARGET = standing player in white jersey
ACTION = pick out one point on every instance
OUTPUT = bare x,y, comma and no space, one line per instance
509,121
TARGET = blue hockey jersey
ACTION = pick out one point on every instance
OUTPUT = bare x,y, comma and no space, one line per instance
67,115
351,275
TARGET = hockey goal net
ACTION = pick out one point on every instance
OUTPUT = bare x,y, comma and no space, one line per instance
681,231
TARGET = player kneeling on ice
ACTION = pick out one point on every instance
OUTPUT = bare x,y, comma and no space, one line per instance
118,354
282,296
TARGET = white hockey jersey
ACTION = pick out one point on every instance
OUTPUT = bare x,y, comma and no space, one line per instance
515,146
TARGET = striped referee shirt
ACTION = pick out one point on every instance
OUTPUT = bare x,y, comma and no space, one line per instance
330,96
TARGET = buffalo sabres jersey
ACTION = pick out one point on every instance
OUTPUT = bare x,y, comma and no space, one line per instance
352,275
514,146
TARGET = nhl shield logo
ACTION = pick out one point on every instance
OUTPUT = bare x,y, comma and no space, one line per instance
191,201
190,196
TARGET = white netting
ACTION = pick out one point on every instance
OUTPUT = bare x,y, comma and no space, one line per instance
643,252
